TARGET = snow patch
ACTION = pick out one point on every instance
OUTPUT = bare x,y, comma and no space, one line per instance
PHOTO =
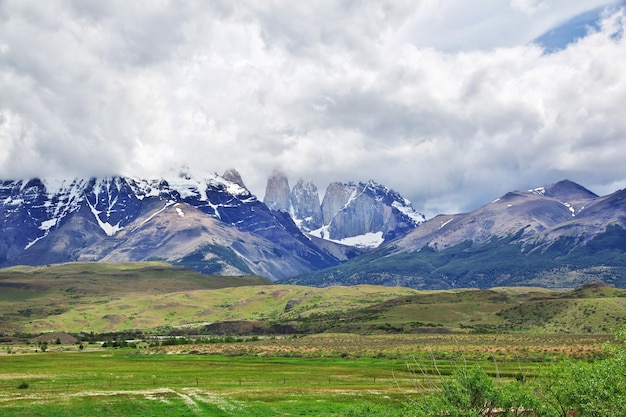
180,212
408,211
168,204
367,240
48,224
444,223
571,209
34,241
109,229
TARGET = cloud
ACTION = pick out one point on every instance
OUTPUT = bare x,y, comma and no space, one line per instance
528,7
449,104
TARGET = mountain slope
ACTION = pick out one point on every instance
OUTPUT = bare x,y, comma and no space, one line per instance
560,235
212,224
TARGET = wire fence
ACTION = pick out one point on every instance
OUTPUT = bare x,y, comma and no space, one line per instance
204,381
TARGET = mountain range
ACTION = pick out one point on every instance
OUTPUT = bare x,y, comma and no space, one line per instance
364,214
211,224
560,235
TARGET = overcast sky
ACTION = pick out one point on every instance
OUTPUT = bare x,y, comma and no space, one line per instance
448,102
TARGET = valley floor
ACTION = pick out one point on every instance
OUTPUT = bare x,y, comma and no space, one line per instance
328,374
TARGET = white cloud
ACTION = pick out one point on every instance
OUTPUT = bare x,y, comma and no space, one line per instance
445,102
528,7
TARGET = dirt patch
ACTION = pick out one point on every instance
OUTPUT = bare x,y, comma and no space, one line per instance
51,338
167,306
277,295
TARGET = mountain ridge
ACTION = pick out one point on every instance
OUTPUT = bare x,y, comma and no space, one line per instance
364,214
557,235
52,221
560,235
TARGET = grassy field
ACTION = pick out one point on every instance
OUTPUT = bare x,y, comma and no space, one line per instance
311,375
122,384
361,346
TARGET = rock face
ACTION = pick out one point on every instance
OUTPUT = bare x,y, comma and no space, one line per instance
212,224
337,196
359,209
306,209
233,175
355,214
277,193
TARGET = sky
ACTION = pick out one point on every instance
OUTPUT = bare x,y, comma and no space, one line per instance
449,102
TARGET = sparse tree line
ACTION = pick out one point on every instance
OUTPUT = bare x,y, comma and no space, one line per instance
133,340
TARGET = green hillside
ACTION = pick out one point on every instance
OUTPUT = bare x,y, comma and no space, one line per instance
158,298
593,308
29,294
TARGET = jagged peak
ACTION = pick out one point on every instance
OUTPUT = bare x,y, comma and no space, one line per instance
234,176
302,183
277,192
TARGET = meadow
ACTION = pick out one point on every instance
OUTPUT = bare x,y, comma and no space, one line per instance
242,346
329,374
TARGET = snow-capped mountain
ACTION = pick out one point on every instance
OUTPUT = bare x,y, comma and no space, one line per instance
367,213
354,214
559,235
213,224
306,209
533,212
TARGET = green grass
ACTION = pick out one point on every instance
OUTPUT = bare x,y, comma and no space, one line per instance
102,298
29,294
260,302
342,373
124,383
593,308
97,297
136,385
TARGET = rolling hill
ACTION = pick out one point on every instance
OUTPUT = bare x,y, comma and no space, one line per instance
160,299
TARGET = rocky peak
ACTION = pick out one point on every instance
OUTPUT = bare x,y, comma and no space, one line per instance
367,209
336,197
572,195
305,201
233,175
277,192
356,214
566,190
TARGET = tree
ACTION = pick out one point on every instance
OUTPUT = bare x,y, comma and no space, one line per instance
470,392
589,389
